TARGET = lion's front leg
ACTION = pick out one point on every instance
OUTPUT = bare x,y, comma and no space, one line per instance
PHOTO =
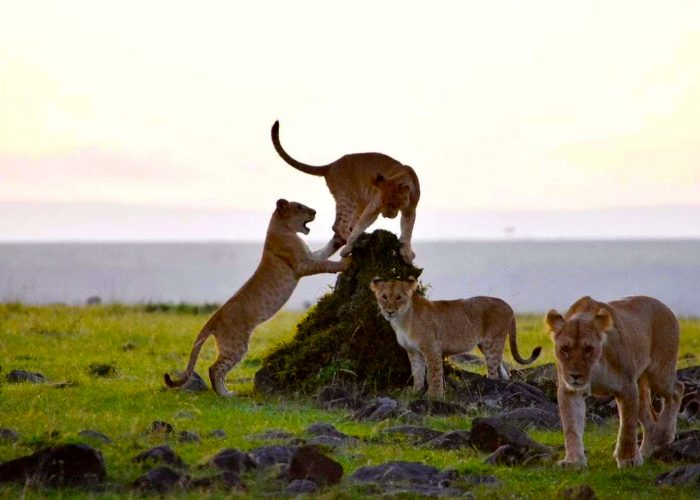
436,383
408,219
627,453
369,215
417,370
572,411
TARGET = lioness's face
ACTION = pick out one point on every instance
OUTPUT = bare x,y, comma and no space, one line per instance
296,215
393,297
578,344
395,196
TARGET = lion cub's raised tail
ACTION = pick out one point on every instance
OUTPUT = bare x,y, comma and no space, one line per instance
307,169
514,347
198,342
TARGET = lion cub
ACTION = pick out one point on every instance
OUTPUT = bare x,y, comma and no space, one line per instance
364,185
285,259
627,348
429,330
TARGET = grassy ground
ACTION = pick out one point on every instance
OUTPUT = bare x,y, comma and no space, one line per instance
62,343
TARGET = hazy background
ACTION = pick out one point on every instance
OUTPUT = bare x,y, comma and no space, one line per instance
540,120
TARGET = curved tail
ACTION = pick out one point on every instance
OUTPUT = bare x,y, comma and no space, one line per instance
198,342
514,347
307,169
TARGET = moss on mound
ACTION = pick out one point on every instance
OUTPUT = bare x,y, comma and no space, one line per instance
343,338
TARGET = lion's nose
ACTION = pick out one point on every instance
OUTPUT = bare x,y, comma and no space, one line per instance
575,376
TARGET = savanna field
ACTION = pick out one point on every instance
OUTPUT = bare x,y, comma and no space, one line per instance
104,367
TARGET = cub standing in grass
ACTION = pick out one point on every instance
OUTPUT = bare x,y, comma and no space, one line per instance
364,185
627,348
285,259
429,330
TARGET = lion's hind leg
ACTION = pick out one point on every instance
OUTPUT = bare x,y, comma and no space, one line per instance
229,356
647,417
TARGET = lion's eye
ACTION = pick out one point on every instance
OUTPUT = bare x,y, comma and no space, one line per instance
565,350
588,349
383,296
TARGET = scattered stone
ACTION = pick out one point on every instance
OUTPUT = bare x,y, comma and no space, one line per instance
324,429
309,463
689,374
683,475
544,377
453,440
580,492
16,376
58,466
160,427
686,447
379,409
185,414
8,435
410,477
490,434
217,434
301,487
195,384
129,346
532,417
272,435
94,435
102,369
414,432
333,397
229,480
188,437
63,384
232,460
162,479
436,407
268,456
161,453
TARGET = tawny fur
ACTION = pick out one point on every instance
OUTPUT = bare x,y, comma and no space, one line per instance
285,259
626,348
364,185
430,330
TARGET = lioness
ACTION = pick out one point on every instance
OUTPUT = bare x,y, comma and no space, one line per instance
429,330
364,185
627,348
285,259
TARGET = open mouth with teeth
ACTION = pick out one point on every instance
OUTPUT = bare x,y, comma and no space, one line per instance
304,225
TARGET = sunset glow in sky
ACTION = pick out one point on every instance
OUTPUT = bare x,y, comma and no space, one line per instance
497,105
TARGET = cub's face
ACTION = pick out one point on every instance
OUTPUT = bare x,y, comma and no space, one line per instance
395,195
393,297
578,344
296,215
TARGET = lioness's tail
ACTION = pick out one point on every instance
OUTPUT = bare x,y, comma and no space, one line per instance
514,347
203,335
307,169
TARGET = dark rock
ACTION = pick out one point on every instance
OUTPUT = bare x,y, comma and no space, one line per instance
162,479
161,453
330,442
468,359
333,396
453,440
532,417
684,475
265,381
602,407
228,480
410,477
16,376
309,463
58,466
188,437
195,384
129,346
94,435
489,434
217,434
689,374
232,460
160,427
436,407
379,409
544,377
102,369
301,487
8,435
324,429
272,435
506,455
686,447
326,435
414,432
267,456
580,492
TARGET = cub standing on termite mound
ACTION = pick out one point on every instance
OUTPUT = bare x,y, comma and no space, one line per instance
285,259
627,348
364,185
429,330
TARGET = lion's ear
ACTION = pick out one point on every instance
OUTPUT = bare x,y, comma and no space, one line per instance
404,188
374,283
554,321
379,179
602,320
412,283
282,206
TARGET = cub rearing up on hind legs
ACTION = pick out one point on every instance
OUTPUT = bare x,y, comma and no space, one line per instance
627,348
364,185
429,330
285,259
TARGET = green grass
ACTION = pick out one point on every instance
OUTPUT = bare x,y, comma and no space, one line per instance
63,342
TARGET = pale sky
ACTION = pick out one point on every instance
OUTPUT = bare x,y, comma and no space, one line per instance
499,106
